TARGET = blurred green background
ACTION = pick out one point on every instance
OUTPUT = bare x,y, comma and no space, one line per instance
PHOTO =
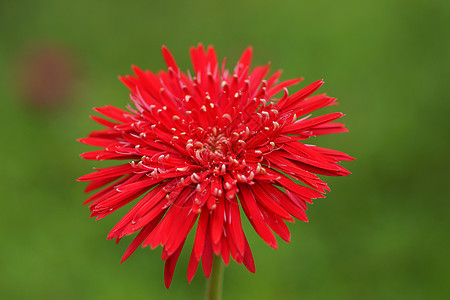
382,233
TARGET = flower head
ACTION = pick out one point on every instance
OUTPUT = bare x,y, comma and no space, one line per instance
199,147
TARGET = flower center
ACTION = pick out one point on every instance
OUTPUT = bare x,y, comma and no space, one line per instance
216,146
215,151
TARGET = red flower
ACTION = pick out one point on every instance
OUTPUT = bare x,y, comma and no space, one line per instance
200,147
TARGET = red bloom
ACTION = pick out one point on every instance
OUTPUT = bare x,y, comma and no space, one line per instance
198,148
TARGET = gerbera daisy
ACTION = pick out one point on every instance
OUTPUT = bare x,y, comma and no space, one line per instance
208,148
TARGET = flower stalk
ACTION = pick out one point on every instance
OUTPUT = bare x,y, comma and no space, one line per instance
215,280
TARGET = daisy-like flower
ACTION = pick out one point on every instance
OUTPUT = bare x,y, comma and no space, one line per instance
209,148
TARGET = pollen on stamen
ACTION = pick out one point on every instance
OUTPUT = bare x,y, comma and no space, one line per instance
241,178
247,132
276,124
227,116
195,178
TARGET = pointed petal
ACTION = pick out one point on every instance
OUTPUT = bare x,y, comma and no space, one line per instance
253,213
207,258
169,267
192,266
145,231
170,61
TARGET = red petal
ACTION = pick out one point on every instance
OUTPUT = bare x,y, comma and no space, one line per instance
273,79
253,213
277,224
334,154
198,58
257,76
99,183
217,219
329,128
170,61
200,236
169,267
299,96
234,220
301,190
97,142
145,231
113,113
305,124
263,198
180,229
271,92
104,122
207,258
147,209
192,267
225,250
249,263
284,201
246,58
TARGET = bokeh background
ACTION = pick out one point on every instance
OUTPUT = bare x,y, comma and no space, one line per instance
382,233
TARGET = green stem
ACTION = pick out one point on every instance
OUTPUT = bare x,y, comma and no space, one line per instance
215,281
